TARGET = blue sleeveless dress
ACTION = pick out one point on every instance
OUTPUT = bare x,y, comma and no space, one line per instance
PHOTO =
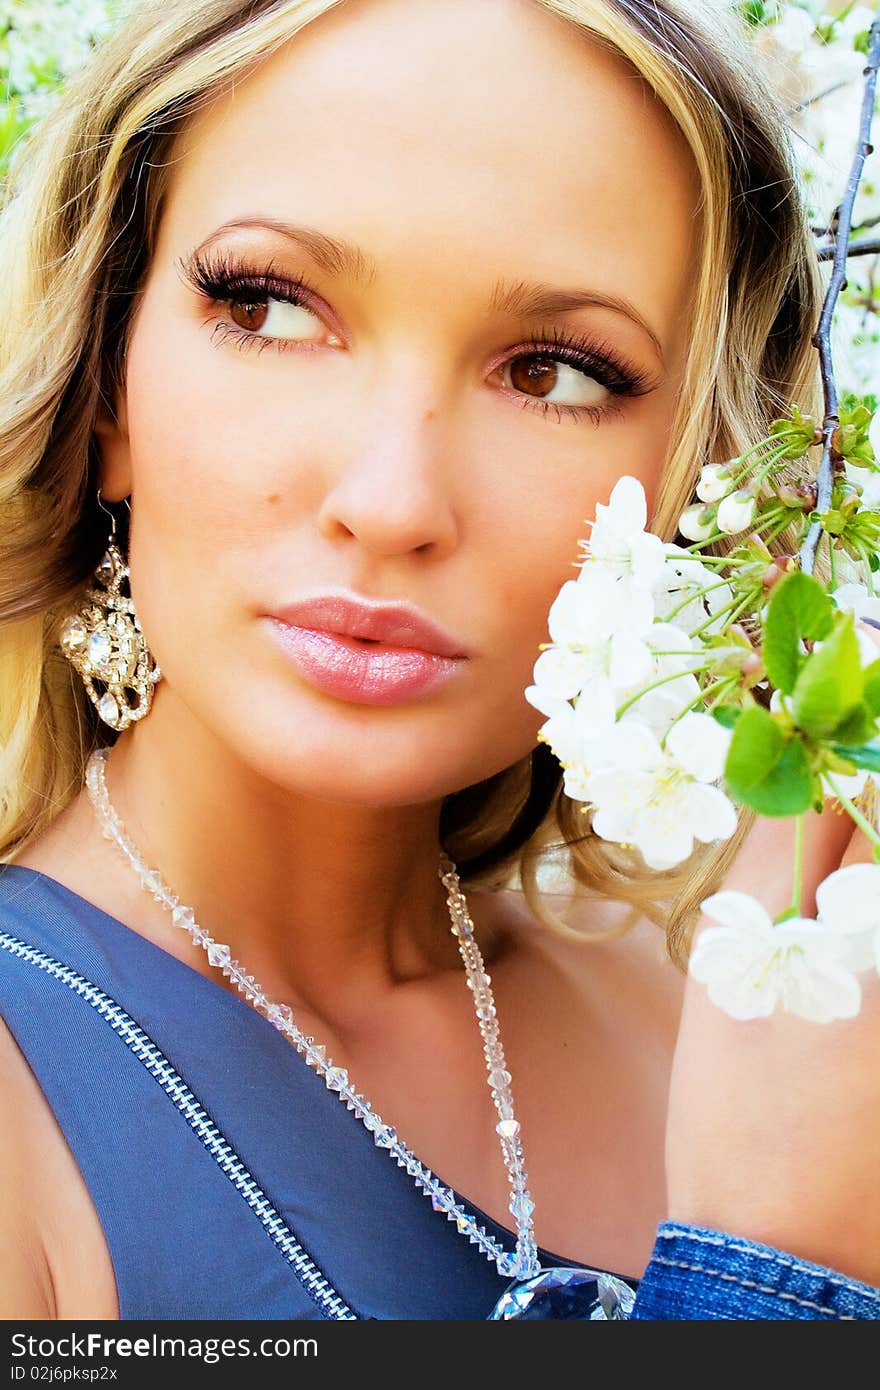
229,1182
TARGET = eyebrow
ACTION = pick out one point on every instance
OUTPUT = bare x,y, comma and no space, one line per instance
341,258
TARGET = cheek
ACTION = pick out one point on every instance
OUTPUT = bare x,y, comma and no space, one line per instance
533,543
193,503
534,536
193,449
206,460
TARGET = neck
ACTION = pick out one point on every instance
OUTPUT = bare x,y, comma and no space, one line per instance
320,900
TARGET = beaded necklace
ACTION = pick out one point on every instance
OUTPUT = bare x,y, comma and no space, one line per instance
524,1260
584,1293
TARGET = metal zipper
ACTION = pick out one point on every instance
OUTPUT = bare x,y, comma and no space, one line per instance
329,1301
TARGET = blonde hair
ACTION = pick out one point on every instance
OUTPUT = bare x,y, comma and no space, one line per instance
76,237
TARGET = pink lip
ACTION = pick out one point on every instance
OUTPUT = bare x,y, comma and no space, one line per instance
397,624
405,653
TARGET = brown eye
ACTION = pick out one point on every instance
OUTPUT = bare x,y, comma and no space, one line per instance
537,374
277,318
249,316
528,373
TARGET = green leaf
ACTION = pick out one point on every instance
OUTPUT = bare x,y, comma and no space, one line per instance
765,770
799,607
859,726
868,755
729,714
830,684
871,677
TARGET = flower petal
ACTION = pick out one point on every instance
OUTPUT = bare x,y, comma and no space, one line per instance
700,744
848,900
568,619
820,990
711,813
561,672
630,744
729,962
662,845
576,782
630,660
561,737
735,909
595,707
628,505
544,700
646,550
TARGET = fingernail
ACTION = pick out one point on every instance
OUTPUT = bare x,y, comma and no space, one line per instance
872,622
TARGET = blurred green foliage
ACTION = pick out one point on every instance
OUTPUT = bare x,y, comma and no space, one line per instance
42,42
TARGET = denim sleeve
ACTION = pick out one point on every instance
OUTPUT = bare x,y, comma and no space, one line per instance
698,1273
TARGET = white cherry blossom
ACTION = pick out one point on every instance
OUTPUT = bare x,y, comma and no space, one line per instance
674,654
618,539
848,904
660,799
576,734
684,574
750,965
598,626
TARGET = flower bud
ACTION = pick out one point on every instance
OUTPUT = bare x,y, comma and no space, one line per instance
715,481
780,566
752,666
802,495
736,512
697,522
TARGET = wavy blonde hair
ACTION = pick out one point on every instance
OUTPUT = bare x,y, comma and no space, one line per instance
76,237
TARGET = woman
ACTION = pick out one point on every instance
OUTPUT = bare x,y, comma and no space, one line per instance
377,299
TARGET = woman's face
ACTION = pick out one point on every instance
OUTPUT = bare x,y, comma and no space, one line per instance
401,433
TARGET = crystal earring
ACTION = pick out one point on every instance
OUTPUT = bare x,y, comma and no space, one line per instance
104,642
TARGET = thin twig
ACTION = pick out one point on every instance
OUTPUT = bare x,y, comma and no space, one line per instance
817,96
822,337
867,246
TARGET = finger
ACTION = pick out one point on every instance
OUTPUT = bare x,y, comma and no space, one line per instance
860,849
764,866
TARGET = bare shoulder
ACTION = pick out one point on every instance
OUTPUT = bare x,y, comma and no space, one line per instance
25,1280
627,971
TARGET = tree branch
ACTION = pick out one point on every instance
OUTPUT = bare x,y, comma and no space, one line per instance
822,337
867,246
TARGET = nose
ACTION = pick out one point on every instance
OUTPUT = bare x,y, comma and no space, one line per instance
391,491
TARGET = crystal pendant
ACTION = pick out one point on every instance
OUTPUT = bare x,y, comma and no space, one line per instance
586,1294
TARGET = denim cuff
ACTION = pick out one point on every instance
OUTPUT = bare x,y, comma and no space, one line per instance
698,1273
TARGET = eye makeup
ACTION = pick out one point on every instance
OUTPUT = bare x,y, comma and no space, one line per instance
227,278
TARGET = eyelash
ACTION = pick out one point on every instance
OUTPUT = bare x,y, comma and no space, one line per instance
225,279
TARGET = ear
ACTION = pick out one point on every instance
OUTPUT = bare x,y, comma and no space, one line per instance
113,449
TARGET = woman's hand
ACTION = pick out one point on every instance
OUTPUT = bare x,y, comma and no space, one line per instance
774,1123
